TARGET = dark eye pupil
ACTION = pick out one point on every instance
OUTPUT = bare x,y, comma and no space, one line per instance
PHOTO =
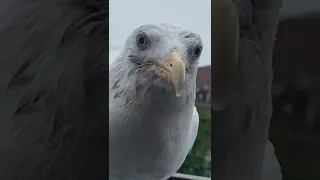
197,51
141,40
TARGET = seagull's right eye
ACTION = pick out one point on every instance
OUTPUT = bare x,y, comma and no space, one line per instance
142,41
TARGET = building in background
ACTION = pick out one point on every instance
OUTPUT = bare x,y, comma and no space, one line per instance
204,85
296,67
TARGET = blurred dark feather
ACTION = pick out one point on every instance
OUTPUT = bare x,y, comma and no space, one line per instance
53,89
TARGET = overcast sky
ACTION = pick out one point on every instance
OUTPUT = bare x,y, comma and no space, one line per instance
194,15
127,15
296,7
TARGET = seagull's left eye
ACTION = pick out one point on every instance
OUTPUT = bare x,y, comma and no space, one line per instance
195,52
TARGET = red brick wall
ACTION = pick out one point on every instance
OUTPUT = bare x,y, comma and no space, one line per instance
204,76
297,49
297,54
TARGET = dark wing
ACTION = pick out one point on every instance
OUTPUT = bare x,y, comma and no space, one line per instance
225,51
53,90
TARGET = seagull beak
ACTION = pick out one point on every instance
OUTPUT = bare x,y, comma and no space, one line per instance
173,70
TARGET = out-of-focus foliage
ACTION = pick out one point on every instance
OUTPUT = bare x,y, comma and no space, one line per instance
198,162
297,153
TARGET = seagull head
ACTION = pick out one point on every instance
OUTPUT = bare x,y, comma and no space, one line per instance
165,55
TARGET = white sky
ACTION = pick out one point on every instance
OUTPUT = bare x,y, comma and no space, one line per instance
127,15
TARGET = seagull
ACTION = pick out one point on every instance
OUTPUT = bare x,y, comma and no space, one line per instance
153,121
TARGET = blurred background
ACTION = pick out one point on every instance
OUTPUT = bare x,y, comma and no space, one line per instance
295,125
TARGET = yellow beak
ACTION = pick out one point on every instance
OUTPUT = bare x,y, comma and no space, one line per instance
173,70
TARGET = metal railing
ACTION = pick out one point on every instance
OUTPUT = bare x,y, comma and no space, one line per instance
179,176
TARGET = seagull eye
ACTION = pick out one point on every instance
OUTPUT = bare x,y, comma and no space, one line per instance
142,41
195,52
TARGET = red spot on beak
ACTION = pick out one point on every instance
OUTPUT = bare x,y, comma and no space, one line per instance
172,86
